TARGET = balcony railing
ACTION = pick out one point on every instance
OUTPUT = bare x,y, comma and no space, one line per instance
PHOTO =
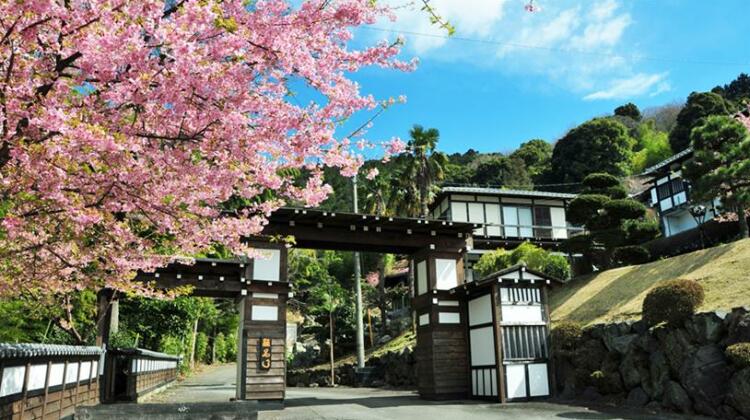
539,232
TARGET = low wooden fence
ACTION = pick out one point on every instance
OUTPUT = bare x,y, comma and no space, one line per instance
133,373
39,381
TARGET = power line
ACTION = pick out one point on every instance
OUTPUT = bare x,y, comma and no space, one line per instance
560,50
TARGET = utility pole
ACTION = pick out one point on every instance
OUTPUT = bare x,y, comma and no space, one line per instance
358,291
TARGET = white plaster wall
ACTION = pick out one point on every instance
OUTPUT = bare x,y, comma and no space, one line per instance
449,317
515,376
480,310
538,380
447,277
482,346
267,268
520,314
12,380
422,277
264,313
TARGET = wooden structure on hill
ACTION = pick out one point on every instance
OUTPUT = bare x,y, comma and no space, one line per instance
449,342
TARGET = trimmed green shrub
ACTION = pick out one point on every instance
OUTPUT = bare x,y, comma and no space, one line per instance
585,207
739,355
600,181
631,254
533,256
492,262
557,266
624,209
565,337
672,302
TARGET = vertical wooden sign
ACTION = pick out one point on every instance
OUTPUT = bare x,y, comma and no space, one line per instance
264,353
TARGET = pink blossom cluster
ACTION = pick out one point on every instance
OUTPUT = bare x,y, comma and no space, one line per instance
373,278
127,127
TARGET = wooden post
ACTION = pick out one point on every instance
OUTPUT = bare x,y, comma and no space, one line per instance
330,348
103,316
369,324
46,389
62,392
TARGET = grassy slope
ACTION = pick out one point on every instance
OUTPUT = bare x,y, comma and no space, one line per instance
617,294
404,340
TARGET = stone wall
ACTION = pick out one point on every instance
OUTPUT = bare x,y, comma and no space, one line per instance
395,369
681,368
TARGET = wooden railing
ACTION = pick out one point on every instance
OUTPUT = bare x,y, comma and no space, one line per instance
47,381
137,372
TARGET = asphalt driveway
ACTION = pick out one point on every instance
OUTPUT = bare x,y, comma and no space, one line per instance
216,384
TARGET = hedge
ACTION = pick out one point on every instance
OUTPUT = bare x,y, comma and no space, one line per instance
672,302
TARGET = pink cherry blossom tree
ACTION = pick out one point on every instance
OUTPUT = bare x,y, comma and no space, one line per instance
128,125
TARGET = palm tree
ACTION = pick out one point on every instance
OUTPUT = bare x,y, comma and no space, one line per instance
424,164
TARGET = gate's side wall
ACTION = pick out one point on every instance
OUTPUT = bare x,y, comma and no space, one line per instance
263,306
260,383
47,381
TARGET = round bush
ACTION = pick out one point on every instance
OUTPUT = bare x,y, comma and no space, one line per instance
600,181
585,207
739,355
632,254
624,209
672,302
565,337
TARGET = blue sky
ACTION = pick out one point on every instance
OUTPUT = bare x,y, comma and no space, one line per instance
536,75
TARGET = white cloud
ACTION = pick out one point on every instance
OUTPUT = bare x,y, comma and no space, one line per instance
577,45
475,18
638,85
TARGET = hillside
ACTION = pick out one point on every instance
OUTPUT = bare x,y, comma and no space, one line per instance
617,294
406,339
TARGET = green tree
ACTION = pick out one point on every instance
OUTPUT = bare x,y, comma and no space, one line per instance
201,347
699,105
598,145
629,110
498,170
651,148
720,166
737,91
533,256
536,155
327,296
424,165
615,224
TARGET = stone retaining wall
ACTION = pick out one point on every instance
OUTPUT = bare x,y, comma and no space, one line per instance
683,368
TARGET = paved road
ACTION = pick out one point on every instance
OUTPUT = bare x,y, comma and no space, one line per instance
217,384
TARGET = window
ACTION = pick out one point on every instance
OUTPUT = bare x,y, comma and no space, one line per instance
518,221
662,191
525,342
678,185
542,217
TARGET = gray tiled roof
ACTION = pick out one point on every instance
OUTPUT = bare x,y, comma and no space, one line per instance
148,353
667,161
502,191
26,350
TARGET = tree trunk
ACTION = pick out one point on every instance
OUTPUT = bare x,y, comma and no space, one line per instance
382,301
411,297
423,201
213,348
193,340
330,328
744,231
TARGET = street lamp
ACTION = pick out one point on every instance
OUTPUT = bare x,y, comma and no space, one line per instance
699,214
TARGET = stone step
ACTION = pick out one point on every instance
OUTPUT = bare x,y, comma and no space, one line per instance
236,410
